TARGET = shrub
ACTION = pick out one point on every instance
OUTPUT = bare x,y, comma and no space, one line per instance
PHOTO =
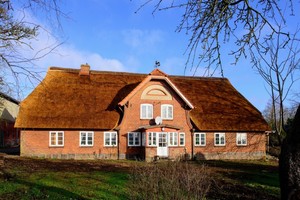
169,180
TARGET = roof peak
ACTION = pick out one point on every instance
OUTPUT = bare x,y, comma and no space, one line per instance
158,72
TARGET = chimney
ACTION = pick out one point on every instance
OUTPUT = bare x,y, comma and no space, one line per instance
84,70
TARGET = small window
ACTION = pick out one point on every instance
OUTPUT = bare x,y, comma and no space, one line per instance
146,111
173,139
200,139
219,139
166,111
181,139
56,138
110,139
86,138
241,139
134,139
152,139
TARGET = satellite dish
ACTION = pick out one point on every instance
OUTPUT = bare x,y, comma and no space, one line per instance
158,120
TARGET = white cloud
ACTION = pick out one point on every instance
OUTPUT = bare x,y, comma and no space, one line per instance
50,52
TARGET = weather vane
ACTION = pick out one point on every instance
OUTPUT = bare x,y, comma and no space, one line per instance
157,64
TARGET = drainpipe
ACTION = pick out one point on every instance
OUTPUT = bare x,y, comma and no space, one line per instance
192,143
118,143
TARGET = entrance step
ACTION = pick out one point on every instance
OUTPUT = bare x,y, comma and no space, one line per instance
162,158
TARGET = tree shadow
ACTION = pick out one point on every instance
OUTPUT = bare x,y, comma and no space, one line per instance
39,191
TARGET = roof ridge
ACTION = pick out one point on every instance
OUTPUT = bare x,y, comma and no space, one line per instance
54,68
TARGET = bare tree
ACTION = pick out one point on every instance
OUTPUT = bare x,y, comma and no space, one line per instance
279,66
15,36
212,24
259,31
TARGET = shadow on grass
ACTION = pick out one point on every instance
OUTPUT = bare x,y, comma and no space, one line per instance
31,190
243,180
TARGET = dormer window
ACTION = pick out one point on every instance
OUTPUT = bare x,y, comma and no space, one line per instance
146,111
166,111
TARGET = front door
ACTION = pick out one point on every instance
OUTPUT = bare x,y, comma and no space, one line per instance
162,148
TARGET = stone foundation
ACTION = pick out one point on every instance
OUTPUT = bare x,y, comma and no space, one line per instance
231,156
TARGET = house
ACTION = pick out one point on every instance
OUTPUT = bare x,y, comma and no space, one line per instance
81,114
9,108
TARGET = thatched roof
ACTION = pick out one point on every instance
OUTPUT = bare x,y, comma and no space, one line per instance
65,100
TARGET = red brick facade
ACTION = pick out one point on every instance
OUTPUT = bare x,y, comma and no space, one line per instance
37,142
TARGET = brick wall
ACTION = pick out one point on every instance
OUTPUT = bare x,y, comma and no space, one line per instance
36,143
255,148
131,120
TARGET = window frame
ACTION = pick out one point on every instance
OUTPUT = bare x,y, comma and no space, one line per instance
150,141
200,143
110,138
138,134
240,136
180,134
174,136
166,106
215,139
86,138
147,116
56,139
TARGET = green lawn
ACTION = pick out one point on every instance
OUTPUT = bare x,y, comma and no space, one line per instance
246,179
24,178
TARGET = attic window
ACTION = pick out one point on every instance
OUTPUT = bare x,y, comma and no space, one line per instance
156,92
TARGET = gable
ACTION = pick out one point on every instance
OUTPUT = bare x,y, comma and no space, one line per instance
158,78
9,108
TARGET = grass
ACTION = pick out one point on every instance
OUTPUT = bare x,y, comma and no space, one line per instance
259,177
21,183
66,185
54,179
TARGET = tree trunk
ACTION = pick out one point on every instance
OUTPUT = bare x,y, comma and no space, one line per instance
289,163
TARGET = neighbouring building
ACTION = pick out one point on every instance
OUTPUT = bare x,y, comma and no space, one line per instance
9,108
81,114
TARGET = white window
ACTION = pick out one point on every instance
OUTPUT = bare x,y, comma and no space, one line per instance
56,138
86,138
134,139
219,139
181,139
166,111
152,139
173,139
200,139
146,111
241,139
110,139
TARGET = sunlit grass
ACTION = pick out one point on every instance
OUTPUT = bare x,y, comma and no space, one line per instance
66,185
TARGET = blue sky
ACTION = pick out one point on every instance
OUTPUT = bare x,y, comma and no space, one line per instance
109,35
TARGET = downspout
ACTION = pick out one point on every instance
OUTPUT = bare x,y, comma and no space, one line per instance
192,130
117,129
192,143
